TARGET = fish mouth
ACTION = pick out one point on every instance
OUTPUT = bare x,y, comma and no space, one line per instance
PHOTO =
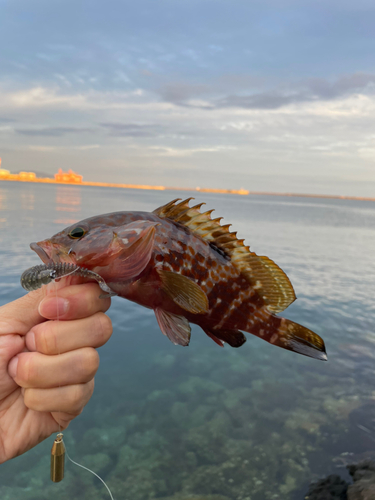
51,253
41,253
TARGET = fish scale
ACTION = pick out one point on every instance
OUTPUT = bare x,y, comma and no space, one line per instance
188,268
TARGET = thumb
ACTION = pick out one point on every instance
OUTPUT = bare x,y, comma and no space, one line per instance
19,316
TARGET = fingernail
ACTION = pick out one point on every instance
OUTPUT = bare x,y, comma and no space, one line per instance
30,341
53,307
12,367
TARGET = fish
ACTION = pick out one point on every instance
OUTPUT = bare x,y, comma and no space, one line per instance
188,268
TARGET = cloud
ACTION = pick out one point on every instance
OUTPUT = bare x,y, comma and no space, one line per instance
45,149
310,90
42,149
132,129
88,147
314,89
227,145
179,152
180,93
58,98
53,131
148,130
6,120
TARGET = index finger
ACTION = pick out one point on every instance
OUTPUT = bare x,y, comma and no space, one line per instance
74,302
19,316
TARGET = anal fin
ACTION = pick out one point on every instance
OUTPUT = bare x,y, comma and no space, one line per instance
176,328
234,338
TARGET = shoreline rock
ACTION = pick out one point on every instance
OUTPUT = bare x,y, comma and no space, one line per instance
333,487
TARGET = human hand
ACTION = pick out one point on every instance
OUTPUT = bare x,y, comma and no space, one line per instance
47,368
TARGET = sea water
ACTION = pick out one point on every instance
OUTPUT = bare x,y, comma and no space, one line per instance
202,422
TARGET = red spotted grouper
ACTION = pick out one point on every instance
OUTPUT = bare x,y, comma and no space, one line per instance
189,269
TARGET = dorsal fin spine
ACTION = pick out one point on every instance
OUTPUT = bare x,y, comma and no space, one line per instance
161,211
197,207
181,215
178,207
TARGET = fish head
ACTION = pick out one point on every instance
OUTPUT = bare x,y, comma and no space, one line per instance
94,244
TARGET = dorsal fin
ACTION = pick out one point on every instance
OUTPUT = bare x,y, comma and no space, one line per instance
263,274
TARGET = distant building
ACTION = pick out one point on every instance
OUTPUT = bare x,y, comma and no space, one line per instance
26,176
69,177
4,174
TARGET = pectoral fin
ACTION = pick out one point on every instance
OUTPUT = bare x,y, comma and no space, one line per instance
176,328
184,292
137,242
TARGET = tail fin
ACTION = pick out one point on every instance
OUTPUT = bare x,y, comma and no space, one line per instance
297,338
292,336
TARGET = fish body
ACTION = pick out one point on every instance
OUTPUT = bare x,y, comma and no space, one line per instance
188,268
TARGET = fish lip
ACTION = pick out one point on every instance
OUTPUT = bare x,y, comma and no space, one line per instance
41,253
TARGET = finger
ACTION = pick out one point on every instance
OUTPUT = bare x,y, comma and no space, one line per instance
19,316
57,337
32,369
74,302
69,399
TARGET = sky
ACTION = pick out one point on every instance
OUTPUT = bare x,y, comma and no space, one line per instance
268,95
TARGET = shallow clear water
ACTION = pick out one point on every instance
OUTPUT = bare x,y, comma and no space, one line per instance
255,423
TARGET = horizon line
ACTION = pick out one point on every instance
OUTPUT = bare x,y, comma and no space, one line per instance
73,179
241,192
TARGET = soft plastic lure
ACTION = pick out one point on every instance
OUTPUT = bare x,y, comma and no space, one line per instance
37,276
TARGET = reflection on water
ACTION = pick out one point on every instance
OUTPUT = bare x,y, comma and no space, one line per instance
3,197
2,207
255,423
27,201
68,199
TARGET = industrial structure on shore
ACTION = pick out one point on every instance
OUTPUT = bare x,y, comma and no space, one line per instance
71,177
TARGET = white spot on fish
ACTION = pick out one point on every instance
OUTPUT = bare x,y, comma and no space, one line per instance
274,338
125,240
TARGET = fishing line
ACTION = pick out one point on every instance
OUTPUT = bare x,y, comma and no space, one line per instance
59,450
92,472
58,346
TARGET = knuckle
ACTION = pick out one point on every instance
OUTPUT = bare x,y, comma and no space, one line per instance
77,398
29,399
46,338
90,363
103,327
80,396
27,369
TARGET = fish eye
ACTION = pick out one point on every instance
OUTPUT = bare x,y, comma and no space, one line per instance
77,233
